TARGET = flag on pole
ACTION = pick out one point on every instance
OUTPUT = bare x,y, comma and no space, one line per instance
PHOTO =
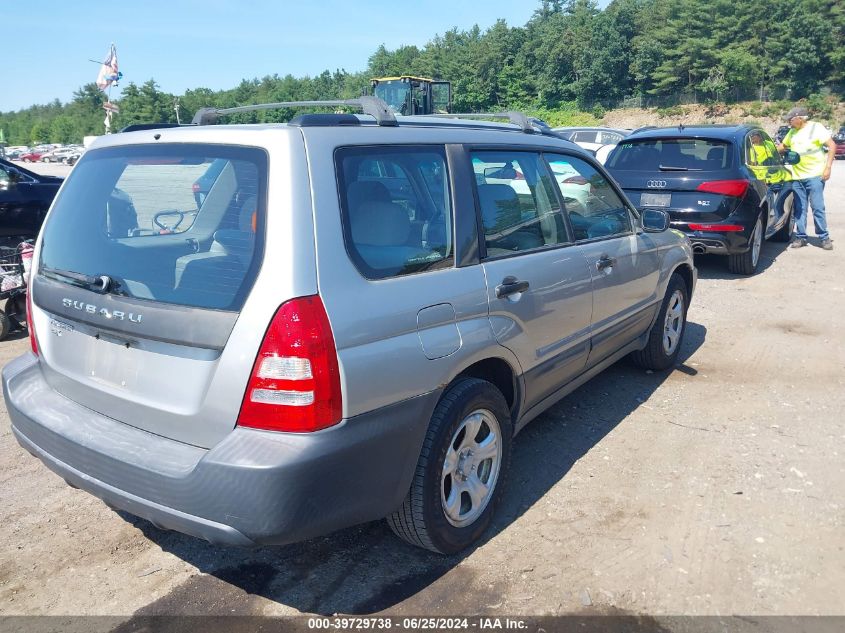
109,74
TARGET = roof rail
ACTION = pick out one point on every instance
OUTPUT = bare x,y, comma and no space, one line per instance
134,127
519,119
373,106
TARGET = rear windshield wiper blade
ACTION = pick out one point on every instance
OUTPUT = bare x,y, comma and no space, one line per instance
672,168
102,284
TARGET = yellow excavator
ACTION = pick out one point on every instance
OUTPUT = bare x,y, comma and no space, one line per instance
413,95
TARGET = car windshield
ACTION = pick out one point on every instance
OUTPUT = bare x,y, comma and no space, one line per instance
672,154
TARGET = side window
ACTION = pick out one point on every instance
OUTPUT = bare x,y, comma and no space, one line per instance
594,209
518,204
763,159
760,150
397,212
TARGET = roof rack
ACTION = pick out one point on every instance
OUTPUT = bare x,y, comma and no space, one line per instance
373,106
528,125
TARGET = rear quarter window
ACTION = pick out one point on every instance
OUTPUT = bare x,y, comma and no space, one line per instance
396,208
177,224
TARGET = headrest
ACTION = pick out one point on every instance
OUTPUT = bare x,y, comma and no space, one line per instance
362,191
380,224
716,153
498,202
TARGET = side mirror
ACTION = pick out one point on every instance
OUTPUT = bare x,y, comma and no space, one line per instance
654,220
791,158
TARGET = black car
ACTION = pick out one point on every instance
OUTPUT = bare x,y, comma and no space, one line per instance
24,199
781,133
726,187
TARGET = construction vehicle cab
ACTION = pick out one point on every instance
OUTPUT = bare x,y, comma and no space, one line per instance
413,95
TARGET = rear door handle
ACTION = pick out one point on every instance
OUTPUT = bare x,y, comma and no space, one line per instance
510,286
605,262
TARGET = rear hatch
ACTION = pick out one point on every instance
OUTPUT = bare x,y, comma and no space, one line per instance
694,179
138,287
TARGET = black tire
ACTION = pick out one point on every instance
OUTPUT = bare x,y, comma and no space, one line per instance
16,311
4,325
784,233
746,263
657,355
422,519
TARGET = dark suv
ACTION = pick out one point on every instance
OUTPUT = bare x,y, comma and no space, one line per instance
726,187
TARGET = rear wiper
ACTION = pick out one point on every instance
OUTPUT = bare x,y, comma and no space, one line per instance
671,168
102,284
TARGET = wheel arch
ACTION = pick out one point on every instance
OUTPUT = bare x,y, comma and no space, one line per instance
500,374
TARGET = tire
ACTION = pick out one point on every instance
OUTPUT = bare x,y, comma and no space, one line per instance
4,325
439,513
667,333
746,263
15,311
785,232
27,160
45,160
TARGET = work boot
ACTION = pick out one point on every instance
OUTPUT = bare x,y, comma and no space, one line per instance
798,242
827,244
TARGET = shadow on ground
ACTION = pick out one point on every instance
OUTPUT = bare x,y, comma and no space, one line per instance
366,569
716,266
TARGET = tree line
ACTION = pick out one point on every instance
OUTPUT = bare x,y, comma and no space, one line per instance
570,55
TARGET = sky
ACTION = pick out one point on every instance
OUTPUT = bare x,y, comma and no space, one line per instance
185,44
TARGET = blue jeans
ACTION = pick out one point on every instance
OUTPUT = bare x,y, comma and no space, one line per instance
812,189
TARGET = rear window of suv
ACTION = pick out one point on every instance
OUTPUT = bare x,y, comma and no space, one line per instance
178,224
672,154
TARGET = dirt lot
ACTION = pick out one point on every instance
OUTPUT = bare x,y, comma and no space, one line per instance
717,488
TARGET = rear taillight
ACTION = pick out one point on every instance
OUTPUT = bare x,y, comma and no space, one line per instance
195,187
33,342
295,381
733,188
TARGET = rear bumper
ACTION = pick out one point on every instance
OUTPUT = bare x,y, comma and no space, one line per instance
254,487
717,242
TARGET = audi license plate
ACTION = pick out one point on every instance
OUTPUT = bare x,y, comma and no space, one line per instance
656,200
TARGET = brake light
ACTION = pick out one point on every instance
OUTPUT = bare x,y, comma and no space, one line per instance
295,380
733,188
33,342
519,175
724,228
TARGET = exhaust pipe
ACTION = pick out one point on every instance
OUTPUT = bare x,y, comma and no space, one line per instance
698,249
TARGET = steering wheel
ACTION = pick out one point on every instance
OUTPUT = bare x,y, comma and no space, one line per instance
169,212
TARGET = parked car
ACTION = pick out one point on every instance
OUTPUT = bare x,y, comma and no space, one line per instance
31,157
724,186
353,325
592,138
60,155
839,139
781,133
24,199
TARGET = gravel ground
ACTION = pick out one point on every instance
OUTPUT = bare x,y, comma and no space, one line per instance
717,488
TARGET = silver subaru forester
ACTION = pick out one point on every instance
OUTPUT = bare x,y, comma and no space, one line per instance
260,333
